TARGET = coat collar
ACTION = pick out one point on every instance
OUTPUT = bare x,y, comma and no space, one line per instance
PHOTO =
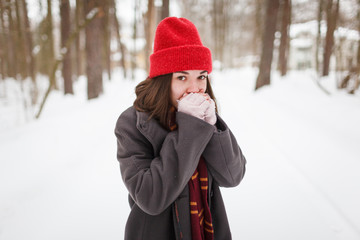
151,129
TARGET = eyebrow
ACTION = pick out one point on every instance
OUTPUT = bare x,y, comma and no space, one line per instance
188,73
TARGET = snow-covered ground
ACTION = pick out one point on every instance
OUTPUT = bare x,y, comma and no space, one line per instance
59,177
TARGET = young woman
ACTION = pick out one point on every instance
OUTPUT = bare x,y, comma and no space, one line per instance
174,150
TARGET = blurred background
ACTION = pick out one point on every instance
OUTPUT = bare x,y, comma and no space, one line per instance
63,40
286,78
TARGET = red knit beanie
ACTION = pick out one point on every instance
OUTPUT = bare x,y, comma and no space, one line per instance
178,47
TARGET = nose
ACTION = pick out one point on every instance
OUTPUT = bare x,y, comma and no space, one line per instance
193,87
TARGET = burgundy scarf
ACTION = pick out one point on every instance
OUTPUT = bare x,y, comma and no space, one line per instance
200,215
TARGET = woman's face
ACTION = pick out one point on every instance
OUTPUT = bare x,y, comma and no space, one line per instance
185,82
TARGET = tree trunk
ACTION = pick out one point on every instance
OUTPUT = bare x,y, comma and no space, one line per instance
263,78
165,9
358,50
318,37
70,40
21,44
65,32
78,52
258,26
284,40
49,33
121,46
134,53
218,29
29,43
94,44
149,30
332,13
107,37
3,43
11,40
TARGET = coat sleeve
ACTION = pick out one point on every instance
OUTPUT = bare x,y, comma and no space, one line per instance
154,182
224,157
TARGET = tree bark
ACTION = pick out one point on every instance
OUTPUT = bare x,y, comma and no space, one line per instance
358,50
149,30
78,52
94,44
258,26
21,44
107,37
3,43
332,13
65,32
165,9
285,39
263,78
134,53
29,43
318,37
121,46
70,40
49,33
11,40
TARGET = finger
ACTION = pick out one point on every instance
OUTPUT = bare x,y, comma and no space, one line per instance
198,99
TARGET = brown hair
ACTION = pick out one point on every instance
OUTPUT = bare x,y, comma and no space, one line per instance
153,95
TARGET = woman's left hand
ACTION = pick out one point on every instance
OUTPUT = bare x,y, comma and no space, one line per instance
210,114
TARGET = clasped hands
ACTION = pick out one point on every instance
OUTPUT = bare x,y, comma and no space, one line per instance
198,105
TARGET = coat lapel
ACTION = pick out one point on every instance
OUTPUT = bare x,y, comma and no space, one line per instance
152,130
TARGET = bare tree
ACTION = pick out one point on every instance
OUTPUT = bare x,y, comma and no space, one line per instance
120,45
78,52
257,32
29,43
358,50
165,9
3,43
149,31
285,39
332,13
134,53
94,44
65,32
11,40
263,78
49,20
21,49
352,81
106,29
220,28
90,17
318,37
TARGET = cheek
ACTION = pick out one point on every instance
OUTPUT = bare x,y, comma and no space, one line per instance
176,92
203,86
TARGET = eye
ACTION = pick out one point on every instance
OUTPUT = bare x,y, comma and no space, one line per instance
181,78
202,77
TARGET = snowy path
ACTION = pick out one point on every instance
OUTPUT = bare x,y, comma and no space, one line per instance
59,178
293,182
277,201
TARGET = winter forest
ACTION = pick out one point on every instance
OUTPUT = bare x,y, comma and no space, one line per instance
286,76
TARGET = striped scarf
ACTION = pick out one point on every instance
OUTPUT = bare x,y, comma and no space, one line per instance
200,215
201,222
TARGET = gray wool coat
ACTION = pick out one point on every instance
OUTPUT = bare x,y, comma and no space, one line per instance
156,166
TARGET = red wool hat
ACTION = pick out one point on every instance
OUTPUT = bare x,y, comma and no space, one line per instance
178,47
